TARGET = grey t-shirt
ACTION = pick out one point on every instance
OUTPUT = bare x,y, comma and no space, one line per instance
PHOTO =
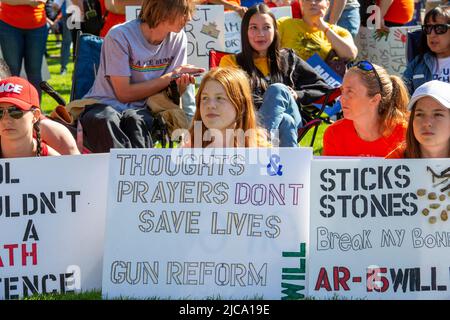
125,52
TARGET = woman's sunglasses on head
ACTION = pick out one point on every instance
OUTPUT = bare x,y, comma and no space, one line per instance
438,28
14,112
367,66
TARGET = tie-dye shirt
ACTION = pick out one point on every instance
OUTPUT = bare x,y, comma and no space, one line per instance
125,52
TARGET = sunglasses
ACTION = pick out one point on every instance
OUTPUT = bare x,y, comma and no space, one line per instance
367,66
438,28
13,112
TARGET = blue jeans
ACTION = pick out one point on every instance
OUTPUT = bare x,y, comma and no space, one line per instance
350,20
280,111
24,44
66,42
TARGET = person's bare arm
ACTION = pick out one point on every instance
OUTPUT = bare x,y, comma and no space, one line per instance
33,3
345,47
336,10
384,7
129,92
230,6
118,6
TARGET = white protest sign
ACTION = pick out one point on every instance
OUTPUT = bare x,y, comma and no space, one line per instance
199,223
52,224
132,12
384,49
205,32
233,27
380,229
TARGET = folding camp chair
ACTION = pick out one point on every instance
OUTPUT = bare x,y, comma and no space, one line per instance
312,116
87,61
413,41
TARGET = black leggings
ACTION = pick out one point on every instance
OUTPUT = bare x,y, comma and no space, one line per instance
105,128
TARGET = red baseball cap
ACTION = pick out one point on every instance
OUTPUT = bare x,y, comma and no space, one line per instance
19,92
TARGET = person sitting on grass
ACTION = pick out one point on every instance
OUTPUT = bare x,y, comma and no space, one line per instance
225,115
20,133
139,59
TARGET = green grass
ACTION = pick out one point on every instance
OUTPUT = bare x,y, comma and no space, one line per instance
61,83
89,295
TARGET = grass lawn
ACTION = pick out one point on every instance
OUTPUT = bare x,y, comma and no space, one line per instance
61,83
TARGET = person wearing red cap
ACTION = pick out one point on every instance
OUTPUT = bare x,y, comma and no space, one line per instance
19,120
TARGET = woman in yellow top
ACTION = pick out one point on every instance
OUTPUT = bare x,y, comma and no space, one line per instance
280,80
312,34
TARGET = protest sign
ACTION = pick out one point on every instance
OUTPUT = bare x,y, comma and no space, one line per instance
202,223
205,32
386,49
132,12
52,213
380,229
233,27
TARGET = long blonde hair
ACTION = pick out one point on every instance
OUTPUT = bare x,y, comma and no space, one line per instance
237,88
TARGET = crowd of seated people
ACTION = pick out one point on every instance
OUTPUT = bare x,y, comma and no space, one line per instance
260,91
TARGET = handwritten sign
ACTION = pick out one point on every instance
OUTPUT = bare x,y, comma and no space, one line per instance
205,32
384,49
52,224
193,223
233,27
380,229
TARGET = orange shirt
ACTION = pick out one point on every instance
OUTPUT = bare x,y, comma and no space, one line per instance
341,139
400,11
23,17
110,21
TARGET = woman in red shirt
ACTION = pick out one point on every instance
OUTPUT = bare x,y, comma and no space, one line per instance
375,114
23,36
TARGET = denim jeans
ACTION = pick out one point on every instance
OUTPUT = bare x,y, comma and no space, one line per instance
66,42
350,20
24,44
280,111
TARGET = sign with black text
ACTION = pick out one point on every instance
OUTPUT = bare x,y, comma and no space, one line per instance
52,223
380,229
199,223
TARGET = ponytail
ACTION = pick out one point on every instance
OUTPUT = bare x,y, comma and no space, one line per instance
393,107
37,128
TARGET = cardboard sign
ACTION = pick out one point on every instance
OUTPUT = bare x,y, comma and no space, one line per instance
199,223
233,27
205,32
52,224
132,12
384,49
380,229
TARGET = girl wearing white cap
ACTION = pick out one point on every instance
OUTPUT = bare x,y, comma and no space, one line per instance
428,134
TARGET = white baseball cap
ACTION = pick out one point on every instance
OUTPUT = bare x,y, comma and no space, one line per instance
438,90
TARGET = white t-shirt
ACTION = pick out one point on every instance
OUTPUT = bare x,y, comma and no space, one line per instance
442,70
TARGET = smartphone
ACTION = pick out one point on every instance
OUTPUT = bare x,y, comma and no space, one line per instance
193,74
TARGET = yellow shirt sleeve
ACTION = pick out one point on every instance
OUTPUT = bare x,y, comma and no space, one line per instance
228,61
